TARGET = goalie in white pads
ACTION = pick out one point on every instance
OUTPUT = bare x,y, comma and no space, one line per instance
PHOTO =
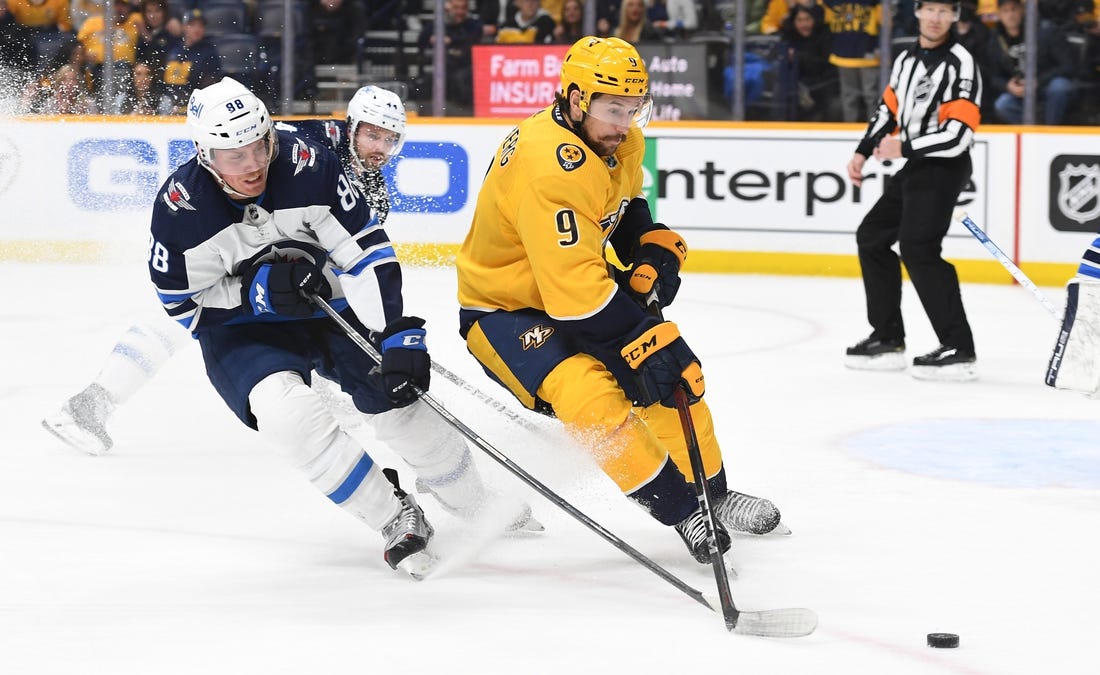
1075,363
240,234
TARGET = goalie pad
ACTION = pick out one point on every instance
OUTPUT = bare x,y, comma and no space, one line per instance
1075,362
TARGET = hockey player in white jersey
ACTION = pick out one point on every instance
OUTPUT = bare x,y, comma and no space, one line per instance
376,118
239,234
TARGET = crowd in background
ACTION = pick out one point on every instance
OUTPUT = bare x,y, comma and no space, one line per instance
821,57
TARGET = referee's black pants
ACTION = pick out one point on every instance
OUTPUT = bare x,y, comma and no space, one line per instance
915,210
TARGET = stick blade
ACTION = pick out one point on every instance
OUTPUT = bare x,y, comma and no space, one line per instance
777,623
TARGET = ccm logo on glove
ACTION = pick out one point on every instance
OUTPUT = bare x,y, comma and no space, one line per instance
660,255
662,361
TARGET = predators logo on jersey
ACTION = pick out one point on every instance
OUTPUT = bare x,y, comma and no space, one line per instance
535,336
570,156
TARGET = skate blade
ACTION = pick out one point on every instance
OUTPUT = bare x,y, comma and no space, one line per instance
530,524
890,361
959,372
75,437
418,565
781,529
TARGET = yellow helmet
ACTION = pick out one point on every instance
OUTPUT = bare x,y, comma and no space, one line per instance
603,66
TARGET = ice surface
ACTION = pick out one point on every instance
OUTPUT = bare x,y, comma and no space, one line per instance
916,507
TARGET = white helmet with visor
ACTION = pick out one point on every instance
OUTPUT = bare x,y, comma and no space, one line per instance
232,130
382,110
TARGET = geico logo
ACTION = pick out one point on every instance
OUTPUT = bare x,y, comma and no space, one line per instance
121,174
125,174
808,188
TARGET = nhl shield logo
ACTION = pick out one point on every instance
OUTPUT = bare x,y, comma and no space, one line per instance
923,91
1079,192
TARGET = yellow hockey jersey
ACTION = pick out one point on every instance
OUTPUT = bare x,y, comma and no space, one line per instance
42,13
542,220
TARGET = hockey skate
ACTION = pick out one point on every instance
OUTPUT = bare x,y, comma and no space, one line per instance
407,536
82,421
751,515
947,364
693,530
524,520
874,353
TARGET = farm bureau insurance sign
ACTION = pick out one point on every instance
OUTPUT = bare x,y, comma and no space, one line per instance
518,80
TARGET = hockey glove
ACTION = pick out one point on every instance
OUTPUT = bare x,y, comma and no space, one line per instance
405,360
277,288
662,361
657,261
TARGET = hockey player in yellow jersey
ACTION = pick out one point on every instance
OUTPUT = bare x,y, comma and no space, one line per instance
550,320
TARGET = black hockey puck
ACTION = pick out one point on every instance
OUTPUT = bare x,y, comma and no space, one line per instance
943,640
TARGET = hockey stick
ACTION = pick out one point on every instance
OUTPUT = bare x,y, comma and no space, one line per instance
792,622
499,406
511,466
721,577
1015,271
725,598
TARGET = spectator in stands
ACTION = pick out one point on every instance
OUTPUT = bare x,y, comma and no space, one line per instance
529,24
192,64
160,32
15,54
634,25
460,33
68,96
35,19
80,10
809,44
142,97
491,15
571,27
974,35
607,16
673,18
1055,68
1061,13
855,25
337,24
776,14
48,16
126,30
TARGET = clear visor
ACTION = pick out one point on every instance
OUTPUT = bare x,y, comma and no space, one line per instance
374,146
622,111
245,159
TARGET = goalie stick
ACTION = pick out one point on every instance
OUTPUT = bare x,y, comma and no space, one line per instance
1016,272
767,623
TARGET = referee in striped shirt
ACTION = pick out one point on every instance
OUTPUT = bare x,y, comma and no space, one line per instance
928,115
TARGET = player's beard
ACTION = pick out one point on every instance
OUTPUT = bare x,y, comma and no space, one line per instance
605,146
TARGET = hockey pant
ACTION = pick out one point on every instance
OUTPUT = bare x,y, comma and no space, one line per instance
642,449
435,451
293,416
138,355
1075,362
